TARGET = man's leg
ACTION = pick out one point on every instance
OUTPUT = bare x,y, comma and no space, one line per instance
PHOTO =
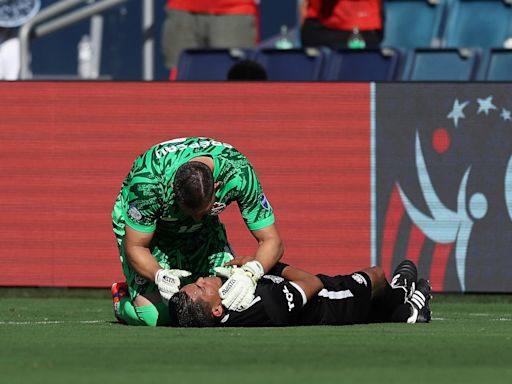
179,32
404,300
232,31
386,297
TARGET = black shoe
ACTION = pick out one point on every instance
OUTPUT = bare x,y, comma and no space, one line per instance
405,277
420,303
424,314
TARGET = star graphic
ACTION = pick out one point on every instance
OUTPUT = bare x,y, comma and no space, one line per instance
484,105
505,115
457,112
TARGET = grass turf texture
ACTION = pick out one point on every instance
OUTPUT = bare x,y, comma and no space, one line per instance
67,336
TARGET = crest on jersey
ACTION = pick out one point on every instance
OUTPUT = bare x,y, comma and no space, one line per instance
217,208
358,278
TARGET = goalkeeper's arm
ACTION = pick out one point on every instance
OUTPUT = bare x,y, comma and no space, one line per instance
138,255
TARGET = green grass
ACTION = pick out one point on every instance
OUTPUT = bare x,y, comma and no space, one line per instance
67,336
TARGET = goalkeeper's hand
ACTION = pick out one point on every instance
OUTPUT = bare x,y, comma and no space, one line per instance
168,282
237,293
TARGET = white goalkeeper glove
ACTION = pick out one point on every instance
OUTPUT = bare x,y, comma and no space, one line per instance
168,282
237,293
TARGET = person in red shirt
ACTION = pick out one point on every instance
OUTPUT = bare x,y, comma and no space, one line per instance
330,23
207,24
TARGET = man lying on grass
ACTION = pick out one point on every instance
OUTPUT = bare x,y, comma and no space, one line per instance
287,296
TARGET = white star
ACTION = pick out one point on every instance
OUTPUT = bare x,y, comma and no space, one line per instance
484,105
457,111
505,115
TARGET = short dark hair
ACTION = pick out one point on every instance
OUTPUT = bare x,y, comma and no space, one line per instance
193,185
247,70
185,312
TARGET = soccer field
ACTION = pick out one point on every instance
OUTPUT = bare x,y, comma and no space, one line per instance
67,336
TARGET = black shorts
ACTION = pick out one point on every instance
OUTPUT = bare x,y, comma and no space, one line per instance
345,299
315,34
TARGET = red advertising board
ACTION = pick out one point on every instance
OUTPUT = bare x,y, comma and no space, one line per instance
65,148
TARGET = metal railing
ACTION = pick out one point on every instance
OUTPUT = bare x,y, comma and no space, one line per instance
54,18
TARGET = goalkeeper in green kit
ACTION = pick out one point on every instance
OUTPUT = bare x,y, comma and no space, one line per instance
168,232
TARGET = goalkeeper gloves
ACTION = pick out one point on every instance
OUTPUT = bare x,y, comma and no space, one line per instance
237,293
168,282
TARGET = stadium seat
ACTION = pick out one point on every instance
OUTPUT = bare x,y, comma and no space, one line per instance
362,65
496,65
478,23
292,64
442,65
209,64
413,23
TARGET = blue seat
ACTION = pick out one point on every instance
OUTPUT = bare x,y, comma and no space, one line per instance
362,65
292,64
497,65
209,64
413,23
478,23
442,65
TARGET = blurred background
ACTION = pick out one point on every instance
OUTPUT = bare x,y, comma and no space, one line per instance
297,40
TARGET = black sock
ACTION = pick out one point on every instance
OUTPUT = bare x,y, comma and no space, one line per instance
401,313
393,297
383,306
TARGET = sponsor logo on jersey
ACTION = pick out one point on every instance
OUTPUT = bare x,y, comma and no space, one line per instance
264,202
359,279
217,208
169,218
181,147
274,279
139,280
289,298
134,213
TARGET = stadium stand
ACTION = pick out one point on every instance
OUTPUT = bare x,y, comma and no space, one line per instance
496,65
413,23
478,23
362,65
209,64
292,64
443,64
485,25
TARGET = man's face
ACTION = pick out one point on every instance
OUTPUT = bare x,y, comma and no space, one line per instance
205,289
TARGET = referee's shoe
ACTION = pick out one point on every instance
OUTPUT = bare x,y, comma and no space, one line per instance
405,277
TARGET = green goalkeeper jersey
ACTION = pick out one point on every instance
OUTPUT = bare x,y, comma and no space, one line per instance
146,203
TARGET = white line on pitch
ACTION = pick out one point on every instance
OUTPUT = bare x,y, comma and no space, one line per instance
50,322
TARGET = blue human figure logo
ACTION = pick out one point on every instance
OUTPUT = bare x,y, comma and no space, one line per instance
445,225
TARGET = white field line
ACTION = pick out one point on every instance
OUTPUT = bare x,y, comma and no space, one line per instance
50,322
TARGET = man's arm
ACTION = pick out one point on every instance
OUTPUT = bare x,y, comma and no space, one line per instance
138,255
237,292
270,246
309,283
269,252
142,261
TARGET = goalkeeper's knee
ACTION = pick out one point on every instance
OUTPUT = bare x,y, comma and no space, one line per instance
153,315
147,315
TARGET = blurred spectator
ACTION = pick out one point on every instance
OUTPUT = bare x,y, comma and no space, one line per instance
247,70
207,24
332,23
9,54
13,13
